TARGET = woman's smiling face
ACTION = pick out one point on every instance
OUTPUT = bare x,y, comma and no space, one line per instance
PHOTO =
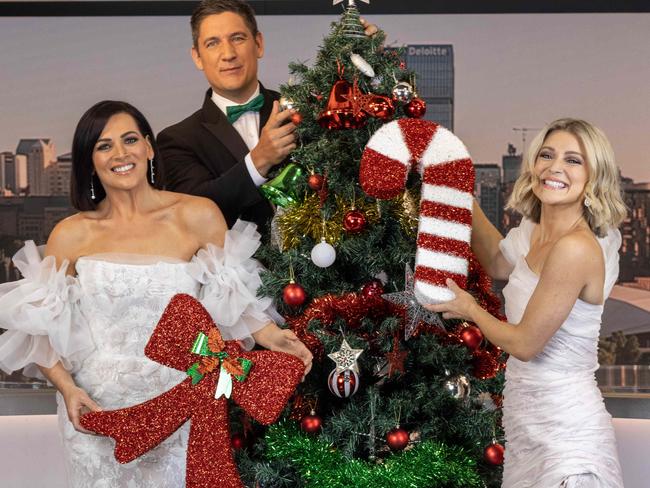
561,170
121,154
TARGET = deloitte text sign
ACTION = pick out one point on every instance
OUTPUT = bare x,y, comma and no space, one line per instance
429,50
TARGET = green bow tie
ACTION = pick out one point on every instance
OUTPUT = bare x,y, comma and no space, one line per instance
235,111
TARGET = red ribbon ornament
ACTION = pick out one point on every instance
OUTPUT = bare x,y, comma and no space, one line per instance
263,395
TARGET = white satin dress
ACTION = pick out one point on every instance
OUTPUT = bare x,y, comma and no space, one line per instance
558,433
98,323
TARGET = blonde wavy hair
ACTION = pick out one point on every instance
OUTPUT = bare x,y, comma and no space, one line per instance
606,209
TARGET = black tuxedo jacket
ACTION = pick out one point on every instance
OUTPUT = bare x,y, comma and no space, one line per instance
204,155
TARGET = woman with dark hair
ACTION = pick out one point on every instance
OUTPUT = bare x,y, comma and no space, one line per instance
86,190
83,314
561,263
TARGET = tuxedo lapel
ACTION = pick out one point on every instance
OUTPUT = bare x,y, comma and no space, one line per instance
265,112
217,123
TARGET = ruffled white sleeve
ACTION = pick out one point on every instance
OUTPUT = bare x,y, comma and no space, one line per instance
41,316
230,278
517,242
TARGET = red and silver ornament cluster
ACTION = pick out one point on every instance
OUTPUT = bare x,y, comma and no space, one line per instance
343,381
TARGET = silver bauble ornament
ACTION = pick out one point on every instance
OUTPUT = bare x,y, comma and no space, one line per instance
287,103
403,92
458,387
323,254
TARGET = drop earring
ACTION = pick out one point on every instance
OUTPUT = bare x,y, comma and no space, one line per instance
152,171
587,202
92,186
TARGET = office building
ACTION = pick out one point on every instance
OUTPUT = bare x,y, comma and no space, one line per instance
487,189
58,175
8,173
38,154
434,66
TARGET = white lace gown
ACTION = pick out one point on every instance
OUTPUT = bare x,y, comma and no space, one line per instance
98,324
558,432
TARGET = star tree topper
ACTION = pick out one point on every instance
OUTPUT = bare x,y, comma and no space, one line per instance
351,3
346,357
414,312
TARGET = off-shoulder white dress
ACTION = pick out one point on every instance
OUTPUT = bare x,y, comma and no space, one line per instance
558,432
98,323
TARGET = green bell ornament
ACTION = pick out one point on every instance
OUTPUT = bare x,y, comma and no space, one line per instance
282,190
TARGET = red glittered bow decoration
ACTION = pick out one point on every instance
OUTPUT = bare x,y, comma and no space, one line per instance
262,394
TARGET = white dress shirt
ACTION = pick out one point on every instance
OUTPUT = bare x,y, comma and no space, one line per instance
248,127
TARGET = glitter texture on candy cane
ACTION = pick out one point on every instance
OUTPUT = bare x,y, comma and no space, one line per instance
445,202
262,394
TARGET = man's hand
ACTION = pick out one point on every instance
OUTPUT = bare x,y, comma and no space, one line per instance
277,140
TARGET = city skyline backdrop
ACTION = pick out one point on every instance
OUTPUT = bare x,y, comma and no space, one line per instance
510,71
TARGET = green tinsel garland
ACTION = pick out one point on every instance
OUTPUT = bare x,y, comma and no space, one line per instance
430,464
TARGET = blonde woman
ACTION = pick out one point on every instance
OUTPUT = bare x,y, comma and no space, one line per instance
561,264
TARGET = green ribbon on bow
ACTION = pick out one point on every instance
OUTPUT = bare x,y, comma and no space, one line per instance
235,111
202,348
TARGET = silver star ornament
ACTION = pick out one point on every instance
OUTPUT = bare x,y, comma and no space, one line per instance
346,357
415,313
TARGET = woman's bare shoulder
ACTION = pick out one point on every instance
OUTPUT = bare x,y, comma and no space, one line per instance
577,251
200,216
69,236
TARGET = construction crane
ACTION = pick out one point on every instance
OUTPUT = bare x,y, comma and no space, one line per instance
524,132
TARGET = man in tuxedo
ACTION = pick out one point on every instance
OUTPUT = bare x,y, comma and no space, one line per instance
219,152
225,150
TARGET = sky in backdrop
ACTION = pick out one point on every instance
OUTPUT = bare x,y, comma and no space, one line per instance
511,70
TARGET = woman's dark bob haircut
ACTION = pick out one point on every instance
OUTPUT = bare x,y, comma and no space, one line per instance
86,134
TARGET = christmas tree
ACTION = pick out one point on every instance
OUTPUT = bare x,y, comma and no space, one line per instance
397,397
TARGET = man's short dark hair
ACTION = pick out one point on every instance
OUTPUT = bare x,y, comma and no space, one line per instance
206,8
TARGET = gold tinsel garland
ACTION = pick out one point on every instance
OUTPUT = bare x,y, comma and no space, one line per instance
305,219
405,209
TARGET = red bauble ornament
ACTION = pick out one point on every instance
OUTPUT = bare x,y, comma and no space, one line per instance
493,454
471,337
311,423
372,289
296,118
294,295
343,384
378,106
315,182
237,441
416,108
397,439
354,221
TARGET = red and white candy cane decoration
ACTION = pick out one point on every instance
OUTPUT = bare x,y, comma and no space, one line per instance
445,227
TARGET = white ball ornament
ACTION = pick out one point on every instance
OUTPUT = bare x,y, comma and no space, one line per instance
323,254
